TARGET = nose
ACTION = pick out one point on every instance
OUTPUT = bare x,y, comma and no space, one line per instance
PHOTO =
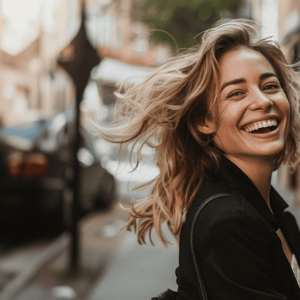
260,101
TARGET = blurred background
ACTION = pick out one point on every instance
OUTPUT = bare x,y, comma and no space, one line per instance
48,248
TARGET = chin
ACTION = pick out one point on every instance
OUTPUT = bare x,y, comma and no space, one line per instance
269,150
272,154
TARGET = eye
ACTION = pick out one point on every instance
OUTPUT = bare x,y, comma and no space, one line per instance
271,86
235,94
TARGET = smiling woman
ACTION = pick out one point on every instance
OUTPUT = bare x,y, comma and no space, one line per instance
251,100
221,118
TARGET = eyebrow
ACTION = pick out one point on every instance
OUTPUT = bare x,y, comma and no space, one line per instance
243,80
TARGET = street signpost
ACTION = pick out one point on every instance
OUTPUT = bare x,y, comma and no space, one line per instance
78,59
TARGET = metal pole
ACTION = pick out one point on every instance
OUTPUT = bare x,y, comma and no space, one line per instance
79,58
75,232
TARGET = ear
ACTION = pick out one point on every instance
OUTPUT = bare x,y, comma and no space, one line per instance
207,127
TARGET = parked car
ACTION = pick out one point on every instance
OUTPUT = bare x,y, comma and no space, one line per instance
36,172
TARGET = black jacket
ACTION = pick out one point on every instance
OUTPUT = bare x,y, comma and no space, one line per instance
238,251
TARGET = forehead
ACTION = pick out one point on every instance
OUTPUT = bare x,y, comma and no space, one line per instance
243,62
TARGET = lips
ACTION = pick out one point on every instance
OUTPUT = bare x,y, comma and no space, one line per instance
265,134
261,126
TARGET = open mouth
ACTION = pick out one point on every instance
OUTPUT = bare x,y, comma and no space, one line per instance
262,127
264,130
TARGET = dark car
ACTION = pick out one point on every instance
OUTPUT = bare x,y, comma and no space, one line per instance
37,170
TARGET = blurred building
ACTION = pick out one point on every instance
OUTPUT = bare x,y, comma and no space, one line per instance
118,36
279,19
30,79
31,82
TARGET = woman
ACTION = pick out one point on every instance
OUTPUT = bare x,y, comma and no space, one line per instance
222,117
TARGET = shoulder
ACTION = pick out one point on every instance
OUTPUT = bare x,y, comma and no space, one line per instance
231,225
230,202
229,213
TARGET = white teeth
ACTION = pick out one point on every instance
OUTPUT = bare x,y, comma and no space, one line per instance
261,124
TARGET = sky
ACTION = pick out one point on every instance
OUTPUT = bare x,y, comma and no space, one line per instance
23,20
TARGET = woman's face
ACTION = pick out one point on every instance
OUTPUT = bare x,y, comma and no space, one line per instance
252,109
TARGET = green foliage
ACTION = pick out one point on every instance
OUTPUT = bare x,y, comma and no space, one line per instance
185,19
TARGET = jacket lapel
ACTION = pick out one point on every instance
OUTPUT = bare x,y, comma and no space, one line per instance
291,232
238,179
235,177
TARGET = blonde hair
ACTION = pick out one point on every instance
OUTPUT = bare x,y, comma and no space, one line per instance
164,110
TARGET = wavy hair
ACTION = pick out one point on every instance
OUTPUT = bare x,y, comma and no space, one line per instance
164,110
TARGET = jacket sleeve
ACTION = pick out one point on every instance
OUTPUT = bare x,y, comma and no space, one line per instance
235,258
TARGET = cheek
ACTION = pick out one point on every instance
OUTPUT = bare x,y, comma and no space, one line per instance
284,103
226,132
285,108
229,117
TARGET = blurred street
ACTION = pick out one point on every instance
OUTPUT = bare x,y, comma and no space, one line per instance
113,265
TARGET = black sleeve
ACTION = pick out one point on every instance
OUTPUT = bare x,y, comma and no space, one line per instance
235,258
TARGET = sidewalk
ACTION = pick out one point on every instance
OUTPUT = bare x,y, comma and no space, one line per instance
113,266
138,272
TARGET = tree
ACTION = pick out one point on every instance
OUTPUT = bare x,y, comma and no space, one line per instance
181,20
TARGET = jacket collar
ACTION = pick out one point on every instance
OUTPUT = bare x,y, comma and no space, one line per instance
236,178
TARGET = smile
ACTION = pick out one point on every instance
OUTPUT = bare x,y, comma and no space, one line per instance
264,126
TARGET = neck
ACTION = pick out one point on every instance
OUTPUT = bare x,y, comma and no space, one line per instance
259,172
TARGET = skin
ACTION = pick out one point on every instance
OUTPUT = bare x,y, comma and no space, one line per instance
248,92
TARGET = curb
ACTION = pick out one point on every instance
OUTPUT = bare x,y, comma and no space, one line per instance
16,285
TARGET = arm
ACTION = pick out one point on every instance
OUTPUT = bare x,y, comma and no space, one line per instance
235,258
